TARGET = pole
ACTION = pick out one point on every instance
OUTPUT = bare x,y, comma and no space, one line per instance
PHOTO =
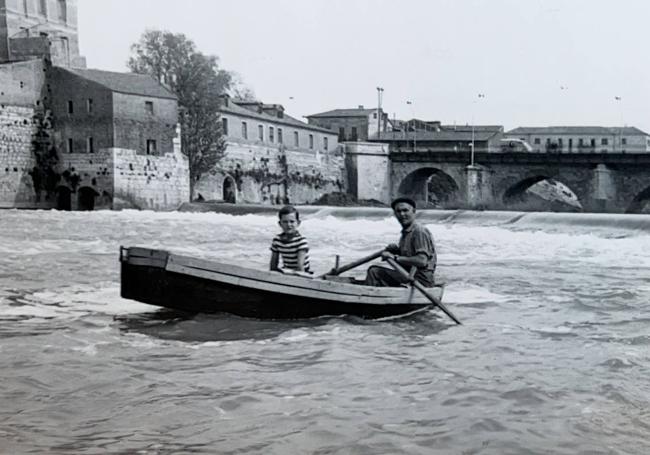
471,160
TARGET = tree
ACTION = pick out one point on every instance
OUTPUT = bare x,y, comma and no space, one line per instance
197,81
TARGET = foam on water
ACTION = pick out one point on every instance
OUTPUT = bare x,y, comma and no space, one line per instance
551,356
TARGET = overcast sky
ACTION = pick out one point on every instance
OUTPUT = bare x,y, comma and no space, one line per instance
538,62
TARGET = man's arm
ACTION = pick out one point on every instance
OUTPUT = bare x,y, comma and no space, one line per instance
420,260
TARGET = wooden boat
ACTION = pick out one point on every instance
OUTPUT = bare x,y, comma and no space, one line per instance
169,280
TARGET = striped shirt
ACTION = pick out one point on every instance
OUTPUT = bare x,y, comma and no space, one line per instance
288,247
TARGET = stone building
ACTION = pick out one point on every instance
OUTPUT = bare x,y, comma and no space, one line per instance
40,29
352,124
272,158
74,138
583,139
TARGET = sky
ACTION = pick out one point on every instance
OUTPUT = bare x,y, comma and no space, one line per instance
533,62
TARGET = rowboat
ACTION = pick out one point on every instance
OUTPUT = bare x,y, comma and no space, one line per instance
165,279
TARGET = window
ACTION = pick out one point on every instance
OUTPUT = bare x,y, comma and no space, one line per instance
537,141
70,145
581,142
62,11
90,145
311,141
244,130
570,143
260,132
624,141
70,107
280,136
593,142
42,9
148,107
151,147
271,134
604,141
89,105
353,134
224,126
325,143
374,115
296,139
341,134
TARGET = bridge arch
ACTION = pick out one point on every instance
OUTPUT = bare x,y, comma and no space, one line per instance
640,203
546,193
430,187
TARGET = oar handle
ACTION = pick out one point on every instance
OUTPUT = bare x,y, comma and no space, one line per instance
357,263
415,283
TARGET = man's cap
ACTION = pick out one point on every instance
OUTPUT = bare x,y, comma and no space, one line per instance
407,200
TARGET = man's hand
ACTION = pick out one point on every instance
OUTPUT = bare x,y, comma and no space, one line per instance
392,248
387,254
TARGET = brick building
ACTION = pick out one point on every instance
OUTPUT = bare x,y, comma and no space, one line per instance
583,139
352,124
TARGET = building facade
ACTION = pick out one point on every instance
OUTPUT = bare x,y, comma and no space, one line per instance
352,124
271,157
583,139
40,29
102,109
418,136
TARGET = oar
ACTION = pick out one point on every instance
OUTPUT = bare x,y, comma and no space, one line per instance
357,263
415,283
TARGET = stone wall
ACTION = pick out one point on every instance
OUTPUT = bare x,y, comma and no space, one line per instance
268,175
150,182
368,170
17,129
88,171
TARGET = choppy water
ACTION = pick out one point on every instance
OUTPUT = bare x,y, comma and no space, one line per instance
553,356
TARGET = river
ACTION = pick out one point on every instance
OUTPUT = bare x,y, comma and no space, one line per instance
553,356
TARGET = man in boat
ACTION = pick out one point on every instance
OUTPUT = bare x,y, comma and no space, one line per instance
416,249
290,244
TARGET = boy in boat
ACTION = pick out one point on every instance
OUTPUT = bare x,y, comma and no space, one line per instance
290,244
416,249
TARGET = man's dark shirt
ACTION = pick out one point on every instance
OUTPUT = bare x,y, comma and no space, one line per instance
417,239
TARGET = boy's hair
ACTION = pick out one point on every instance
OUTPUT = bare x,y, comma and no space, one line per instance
287,209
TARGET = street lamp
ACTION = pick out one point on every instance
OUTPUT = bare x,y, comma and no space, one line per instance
410,103
620,128
380,92
480,95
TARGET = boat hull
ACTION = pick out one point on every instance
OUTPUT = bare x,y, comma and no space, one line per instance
160,278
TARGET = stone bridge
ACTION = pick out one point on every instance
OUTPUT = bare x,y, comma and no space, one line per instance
612,182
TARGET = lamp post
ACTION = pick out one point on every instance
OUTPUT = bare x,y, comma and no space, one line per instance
410,103
380,92
480,95
620,128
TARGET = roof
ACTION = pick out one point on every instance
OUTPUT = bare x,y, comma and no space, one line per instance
578,130
233,108
358,112
129,83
